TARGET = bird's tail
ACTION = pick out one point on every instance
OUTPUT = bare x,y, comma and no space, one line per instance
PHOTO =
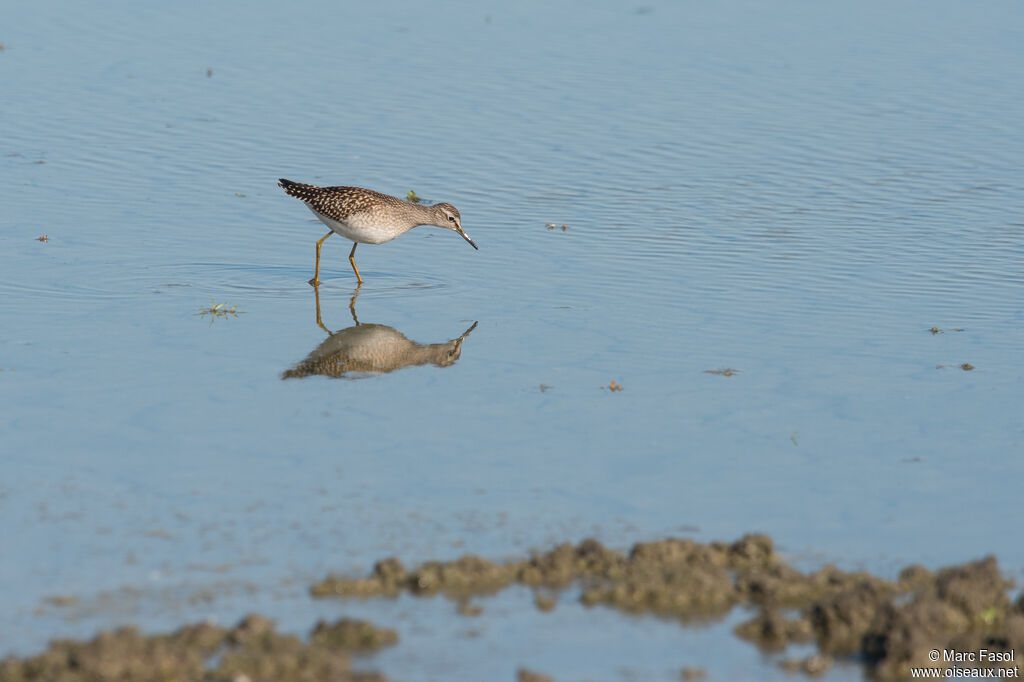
298,189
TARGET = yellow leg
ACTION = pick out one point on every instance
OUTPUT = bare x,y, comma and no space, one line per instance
316,275
352,260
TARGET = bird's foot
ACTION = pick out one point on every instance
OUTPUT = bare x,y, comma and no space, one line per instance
314,282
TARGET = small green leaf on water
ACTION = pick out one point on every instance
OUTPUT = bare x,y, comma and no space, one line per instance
411,196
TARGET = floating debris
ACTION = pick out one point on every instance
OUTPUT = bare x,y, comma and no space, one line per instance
413,197
239,194
219,310
43,238
966,366
692,673
723,371
613,386
544,388
524,675
60,600
553,226
544,602
209,73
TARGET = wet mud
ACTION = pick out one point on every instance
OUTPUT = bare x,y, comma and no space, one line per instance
888,626
252,651
891,626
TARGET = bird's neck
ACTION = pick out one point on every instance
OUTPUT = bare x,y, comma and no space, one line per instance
422,210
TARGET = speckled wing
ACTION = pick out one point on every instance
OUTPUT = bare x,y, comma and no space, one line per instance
337,203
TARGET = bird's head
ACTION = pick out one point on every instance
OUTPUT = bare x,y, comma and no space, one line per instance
447,216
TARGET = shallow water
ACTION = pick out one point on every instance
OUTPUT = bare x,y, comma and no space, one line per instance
795,191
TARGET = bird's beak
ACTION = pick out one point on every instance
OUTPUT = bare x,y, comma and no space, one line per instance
466,237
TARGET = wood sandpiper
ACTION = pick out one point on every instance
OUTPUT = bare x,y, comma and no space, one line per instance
367,217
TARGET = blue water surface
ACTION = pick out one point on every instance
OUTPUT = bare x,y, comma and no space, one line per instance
795,191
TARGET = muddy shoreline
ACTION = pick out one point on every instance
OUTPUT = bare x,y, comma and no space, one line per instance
888,627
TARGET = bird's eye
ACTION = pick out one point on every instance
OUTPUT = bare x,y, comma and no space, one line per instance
451,219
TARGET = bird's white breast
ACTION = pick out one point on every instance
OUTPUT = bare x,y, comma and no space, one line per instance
359,227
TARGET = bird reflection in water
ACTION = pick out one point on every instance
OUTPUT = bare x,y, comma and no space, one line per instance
365,350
